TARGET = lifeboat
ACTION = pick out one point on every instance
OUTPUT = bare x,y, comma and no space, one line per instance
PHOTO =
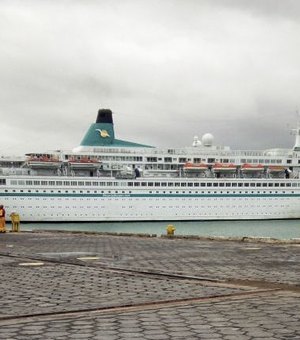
43,162
276,169
252,167
195,167
84,163
224,167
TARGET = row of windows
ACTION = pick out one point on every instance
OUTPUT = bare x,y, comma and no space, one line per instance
149,192
154,184
212,184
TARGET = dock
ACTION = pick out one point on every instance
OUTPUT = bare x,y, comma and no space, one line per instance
64,285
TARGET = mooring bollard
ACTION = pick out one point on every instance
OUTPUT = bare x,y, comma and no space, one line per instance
15,222
170,230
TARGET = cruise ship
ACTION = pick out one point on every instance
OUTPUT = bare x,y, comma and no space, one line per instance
108,179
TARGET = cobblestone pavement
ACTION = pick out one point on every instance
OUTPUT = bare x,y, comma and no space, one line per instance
81,286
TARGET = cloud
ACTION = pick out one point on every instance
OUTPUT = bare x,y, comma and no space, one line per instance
168,69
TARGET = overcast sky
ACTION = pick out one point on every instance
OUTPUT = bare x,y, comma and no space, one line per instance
168,69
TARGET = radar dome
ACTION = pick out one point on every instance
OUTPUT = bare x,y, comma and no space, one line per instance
207,139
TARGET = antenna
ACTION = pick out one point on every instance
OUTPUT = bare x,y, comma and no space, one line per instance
296,132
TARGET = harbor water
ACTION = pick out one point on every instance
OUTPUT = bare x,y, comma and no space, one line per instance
279,229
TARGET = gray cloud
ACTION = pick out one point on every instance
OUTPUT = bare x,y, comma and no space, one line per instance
277,9
169,69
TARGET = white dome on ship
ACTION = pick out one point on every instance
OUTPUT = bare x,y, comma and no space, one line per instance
207,139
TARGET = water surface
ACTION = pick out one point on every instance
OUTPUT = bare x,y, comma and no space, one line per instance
280,229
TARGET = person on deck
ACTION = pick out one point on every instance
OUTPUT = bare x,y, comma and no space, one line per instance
2,219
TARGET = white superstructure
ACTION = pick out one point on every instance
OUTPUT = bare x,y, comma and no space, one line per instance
106,179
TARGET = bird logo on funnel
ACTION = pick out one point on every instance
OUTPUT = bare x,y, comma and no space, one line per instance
103,133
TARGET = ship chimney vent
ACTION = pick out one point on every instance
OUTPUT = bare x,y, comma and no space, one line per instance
104,116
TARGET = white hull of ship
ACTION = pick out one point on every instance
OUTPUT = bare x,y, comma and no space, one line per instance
137,204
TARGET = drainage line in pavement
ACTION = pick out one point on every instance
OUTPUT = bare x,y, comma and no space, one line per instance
140,306
228,282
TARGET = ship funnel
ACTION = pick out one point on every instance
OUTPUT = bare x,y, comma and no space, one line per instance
102,132
104,116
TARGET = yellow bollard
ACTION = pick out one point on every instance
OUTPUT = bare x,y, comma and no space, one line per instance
170,230
15,222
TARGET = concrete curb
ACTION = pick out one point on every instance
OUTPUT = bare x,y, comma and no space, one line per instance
248,239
